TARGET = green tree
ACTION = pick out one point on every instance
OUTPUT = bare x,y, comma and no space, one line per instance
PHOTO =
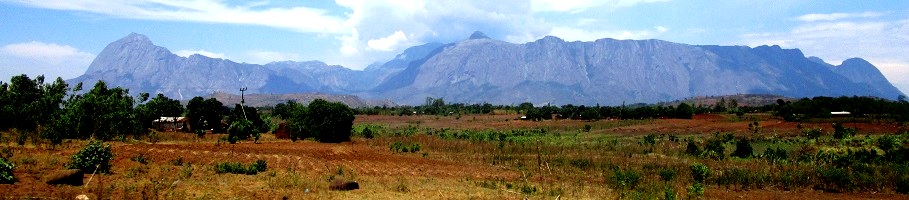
240,130
101,113
160,106
684,111
205,114
28,103
323,120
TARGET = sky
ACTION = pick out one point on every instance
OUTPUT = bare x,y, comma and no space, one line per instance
60,38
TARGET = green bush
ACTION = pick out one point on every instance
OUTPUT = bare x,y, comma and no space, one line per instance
400,147
6,172
692,149
813,133
367,133
699,172
94,156
667,174
696,190
587,127
649,139
836,179
239,168
626,179
240,130
743,149
775,154
714,149
841,132
888,143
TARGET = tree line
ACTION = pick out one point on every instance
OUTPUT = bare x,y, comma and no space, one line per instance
55,111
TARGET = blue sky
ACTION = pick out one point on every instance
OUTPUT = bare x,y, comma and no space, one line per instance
61,37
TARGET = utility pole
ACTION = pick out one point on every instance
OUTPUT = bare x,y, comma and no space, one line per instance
243,101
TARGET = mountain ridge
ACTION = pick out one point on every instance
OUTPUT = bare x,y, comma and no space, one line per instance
482,69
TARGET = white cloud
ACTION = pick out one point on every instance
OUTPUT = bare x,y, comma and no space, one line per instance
37,58
582,5
189,52
836,16
263,57
388,43
300,19
661,29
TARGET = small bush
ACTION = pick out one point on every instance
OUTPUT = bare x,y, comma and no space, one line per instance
239,168
836,179
813,133
696,190
714,149
259,166
626,179
699,172
6,172
776,154
841,132
888,143
743,149
587,127
667,174
649,139
669,193
401,147
94,156
367,133
692,149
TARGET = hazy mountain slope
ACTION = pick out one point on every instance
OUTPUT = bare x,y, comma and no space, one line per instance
482,69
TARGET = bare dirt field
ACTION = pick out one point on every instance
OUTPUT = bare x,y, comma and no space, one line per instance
180,166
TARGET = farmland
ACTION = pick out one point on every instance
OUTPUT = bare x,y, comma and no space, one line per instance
492,156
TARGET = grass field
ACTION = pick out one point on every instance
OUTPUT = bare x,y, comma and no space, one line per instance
481,157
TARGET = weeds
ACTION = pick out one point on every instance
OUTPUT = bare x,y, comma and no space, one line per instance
239,168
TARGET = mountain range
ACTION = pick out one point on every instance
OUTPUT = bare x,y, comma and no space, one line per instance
481,69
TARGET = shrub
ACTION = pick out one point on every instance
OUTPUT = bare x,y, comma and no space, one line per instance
240,130
239,168
94,156
667,174
841,132
888,142
367,133
587,127
626,179
400,147
692,149
775,154
714,149
699,172
649,139
813,133
743,149
696,190
669,193
835,179
259,166
6,172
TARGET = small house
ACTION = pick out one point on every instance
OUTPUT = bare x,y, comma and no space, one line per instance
169,123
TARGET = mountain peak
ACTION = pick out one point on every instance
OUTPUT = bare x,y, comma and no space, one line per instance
478,35
135,38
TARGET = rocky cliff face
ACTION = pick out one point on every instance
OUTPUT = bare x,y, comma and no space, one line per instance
481,69
610,72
